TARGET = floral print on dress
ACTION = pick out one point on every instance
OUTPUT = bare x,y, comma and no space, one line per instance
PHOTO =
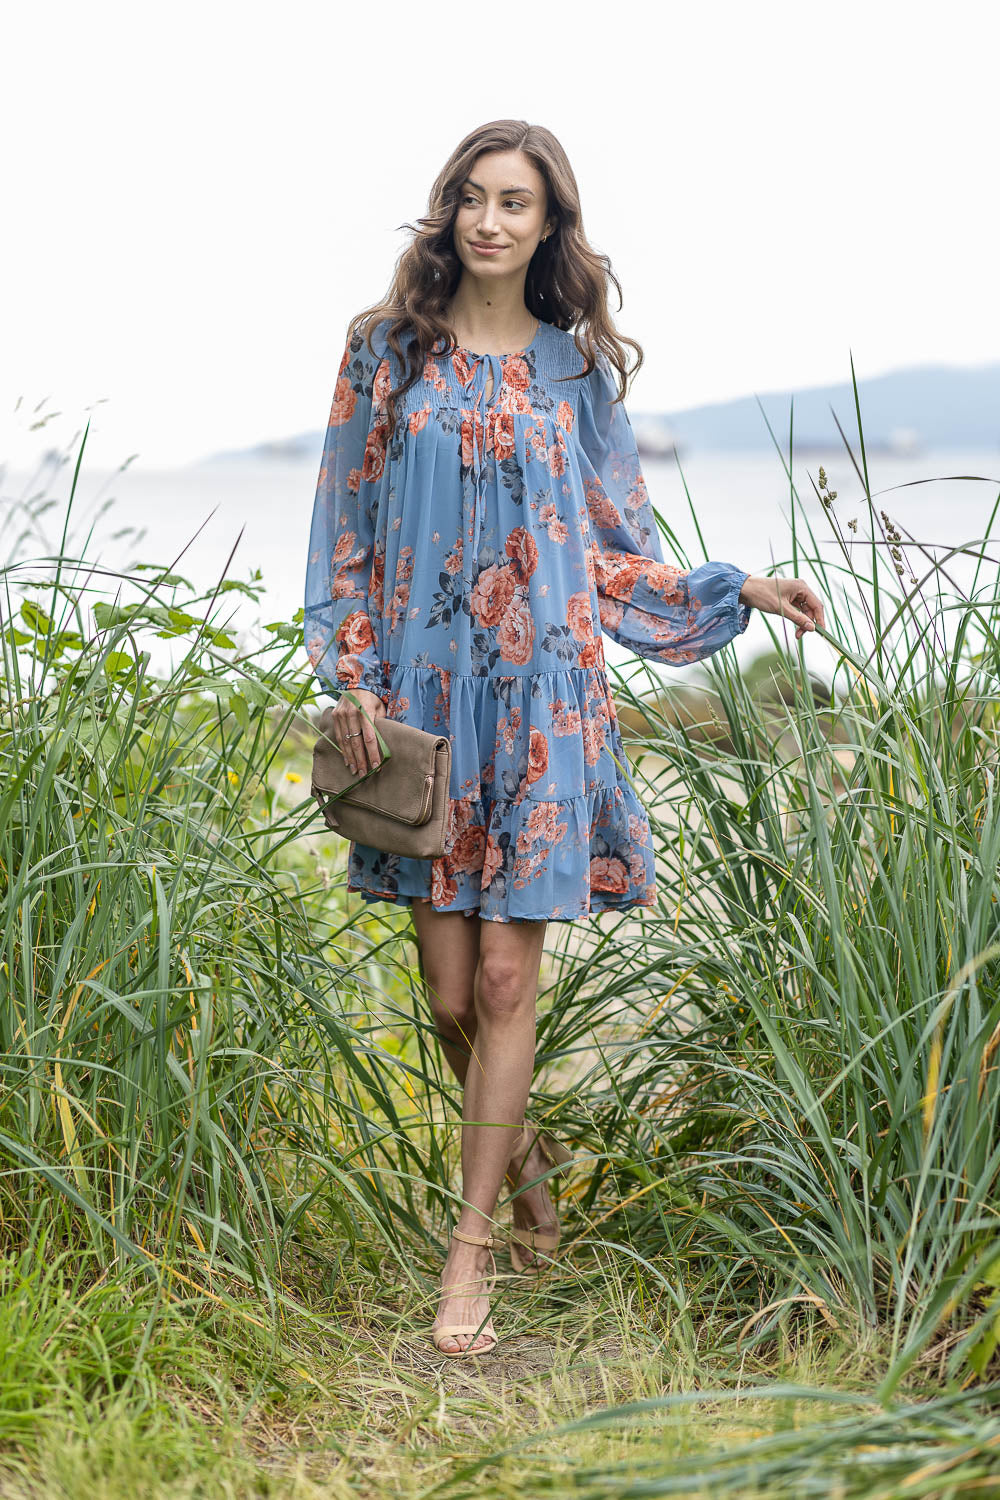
465,566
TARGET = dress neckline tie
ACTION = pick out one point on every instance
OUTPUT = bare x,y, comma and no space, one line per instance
479,370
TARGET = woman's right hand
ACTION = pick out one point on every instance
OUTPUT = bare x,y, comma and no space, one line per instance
352,731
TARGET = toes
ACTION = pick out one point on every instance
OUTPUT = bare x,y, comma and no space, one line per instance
452,1345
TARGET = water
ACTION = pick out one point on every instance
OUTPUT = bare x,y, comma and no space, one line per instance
741,500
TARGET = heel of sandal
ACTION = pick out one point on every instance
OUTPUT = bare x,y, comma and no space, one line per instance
555,1152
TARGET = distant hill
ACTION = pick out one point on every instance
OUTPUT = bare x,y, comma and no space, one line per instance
306,445
931,406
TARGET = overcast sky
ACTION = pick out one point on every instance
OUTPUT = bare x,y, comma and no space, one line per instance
197,197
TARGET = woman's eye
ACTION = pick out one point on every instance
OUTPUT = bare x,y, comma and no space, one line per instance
470,198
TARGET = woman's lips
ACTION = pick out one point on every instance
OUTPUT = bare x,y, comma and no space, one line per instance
487,249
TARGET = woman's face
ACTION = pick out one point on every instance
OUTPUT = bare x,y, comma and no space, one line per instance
501,215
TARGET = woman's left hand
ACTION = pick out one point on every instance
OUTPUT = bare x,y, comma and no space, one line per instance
791,597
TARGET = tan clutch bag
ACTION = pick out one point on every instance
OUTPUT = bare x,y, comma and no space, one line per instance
402,806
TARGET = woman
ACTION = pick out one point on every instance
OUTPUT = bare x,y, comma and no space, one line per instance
480,520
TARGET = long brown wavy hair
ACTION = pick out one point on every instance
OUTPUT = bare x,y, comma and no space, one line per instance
566,283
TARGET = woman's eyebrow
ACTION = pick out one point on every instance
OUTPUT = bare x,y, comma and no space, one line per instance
503,191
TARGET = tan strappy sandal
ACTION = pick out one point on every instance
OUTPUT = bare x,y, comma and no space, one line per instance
470,1330
540,1238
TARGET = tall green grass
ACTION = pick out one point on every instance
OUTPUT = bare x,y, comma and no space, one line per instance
804,1093
222,1098
803,1098
169,1047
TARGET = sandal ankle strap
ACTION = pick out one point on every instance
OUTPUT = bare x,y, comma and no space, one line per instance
471,1239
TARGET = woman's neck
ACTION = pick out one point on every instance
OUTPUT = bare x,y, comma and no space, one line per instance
491,319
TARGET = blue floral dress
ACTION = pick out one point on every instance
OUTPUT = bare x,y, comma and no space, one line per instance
464,566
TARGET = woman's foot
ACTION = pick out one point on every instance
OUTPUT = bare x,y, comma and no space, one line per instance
463,1300
532,1207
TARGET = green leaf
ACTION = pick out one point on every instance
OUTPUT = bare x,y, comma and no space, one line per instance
240,711
118,664
106,616
171,580
66,640
982,1352
35,617
284,631
228,585
180,623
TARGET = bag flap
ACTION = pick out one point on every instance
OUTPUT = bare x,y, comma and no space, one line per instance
401,786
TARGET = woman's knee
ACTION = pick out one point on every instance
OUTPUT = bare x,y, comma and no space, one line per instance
450,997
503,988
455,1018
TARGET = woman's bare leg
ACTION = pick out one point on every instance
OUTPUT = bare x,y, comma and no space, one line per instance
448,943
497,1078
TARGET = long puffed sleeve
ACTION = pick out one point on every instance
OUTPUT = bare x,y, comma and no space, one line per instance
345,569
647,605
